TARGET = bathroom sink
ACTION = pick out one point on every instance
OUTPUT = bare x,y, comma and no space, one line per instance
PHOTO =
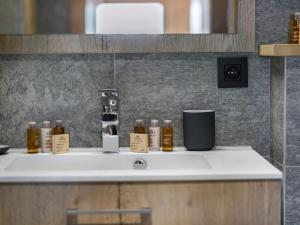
106,162
91,165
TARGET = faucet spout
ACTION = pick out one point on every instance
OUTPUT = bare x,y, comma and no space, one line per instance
110,120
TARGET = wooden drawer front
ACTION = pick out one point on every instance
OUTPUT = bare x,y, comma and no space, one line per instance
207,203
44,204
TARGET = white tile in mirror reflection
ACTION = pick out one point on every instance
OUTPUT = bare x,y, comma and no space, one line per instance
130,18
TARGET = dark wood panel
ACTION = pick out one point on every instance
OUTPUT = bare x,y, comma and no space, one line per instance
51,44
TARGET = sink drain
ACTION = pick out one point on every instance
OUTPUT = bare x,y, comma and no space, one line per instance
140,164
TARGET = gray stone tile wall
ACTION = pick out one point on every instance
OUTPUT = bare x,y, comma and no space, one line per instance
50,88
151,86
293,111
292,149
162,86
292,199
277,109
285,130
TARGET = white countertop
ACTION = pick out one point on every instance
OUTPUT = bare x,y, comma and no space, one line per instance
91,165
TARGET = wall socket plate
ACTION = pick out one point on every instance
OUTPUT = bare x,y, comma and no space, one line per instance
233,72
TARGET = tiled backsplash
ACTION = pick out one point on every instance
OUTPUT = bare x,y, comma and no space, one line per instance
162,86
150,85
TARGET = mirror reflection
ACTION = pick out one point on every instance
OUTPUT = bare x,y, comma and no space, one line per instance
118,16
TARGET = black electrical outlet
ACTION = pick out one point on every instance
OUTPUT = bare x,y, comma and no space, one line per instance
232,72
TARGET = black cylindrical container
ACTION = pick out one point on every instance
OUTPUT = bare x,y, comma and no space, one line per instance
199,129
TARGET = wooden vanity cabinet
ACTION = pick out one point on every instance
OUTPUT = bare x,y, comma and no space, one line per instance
171,203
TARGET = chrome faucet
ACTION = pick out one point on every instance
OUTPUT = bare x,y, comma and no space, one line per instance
110,120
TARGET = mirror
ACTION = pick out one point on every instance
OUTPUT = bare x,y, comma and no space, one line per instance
118,16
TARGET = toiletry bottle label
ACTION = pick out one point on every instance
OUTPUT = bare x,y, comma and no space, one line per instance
139,143
36,140
60,143
154,138
46,140
168,140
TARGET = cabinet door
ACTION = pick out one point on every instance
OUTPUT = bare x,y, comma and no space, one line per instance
207,203
45,204
98,197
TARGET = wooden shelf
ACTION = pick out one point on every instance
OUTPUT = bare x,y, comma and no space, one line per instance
280,50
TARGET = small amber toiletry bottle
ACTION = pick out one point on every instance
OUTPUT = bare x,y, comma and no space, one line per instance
154,136
294,29
59,128
167,136
140,127
46,137
33,139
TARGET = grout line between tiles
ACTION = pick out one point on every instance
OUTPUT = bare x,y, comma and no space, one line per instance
114,69
284,140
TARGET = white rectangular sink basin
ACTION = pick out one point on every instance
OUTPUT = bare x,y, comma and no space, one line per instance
91,165
106,162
